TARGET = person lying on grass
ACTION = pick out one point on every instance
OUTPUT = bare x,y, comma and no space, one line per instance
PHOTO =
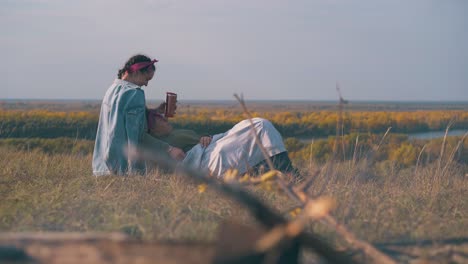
234,149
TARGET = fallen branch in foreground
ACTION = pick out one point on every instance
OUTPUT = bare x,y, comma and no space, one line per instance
300,196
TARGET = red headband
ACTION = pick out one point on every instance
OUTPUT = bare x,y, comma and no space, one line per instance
141,65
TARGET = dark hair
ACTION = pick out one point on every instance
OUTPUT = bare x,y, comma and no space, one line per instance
135,59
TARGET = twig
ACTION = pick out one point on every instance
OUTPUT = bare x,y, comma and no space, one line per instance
312,210
301,198
383,137
452,155
271,219
289,191
374,150
264,214
304,187
310,156
268,217
442,148
437,176
355,151
417,161
254,132
108,185
367,248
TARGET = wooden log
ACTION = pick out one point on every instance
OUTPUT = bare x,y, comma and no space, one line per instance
97,248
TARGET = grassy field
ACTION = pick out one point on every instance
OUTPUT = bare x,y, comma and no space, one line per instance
379,203
47,185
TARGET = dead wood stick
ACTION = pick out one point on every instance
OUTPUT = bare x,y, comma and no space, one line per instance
288,190
308,182
260,211
301,197
254,132
264,214
367,248
269,217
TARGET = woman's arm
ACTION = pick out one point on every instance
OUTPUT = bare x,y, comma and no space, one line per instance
156,147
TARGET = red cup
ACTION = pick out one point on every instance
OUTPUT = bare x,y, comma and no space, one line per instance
171,100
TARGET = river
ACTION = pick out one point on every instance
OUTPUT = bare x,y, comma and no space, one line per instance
420,135
437,134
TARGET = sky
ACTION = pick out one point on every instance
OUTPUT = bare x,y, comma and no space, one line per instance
385,50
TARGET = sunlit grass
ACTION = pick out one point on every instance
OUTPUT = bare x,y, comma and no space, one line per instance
381,202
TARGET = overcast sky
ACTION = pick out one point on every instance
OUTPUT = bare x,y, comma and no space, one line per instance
265,49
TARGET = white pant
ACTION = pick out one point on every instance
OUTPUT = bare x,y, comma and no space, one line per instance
236,148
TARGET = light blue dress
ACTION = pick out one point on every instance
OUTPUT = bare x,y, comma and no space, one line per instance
122,128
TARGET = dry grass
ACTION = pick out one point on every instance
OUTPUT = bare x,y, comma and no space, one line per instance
382,203
392,204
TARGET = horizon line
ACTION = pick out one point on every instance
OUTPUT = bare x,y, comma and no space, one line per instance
252,100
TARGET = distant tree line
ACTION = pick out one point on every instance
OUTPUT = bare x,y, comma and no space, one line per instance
50,145
83,125
74,132
47,124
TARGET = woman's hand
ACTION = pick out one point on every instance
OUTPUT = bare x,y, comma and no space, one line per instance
161,108
205,141
176,153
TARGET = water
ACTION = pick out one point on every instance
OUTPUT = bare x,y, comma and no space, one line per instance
437,134
421,135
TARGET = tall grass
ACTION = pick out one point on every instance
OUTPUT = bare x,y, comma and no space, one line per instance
381,202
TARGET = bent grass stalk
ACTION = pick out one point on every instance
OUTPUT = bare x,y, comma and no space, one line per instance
304,201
